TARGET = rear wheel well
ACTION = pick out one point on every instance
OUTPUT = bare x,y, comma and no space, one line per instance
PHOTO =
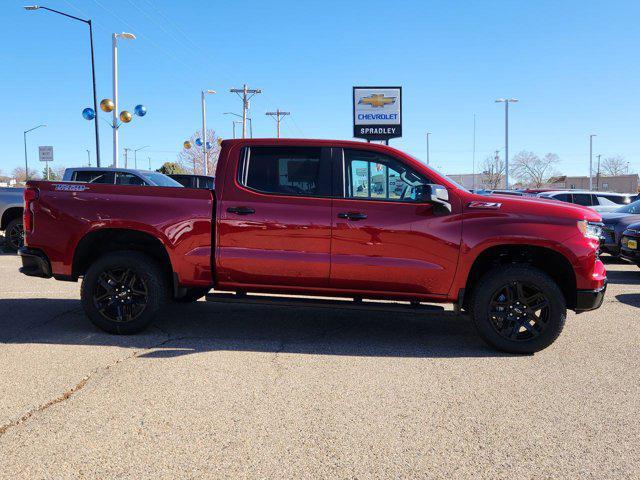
100,242
9,215
554,264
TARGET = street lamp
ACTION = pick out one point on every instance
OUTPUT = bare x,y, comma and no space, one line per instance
234,123
204,128
114,45
135,155
506,102
26,164
93,69
591,160
428,133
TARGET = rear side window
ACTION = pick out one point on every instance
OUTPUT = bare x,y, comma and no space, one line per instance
89,176
284,171
123,178
583,199
618,199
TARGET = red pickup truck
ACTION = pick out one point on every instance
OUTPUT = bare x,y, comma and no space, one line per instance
319,218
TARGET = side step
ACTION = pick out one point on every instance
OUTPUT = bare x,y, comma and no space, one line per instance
297,301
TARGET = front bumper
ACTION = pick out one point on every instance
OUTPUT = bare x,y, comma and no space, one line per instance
590,299
34,263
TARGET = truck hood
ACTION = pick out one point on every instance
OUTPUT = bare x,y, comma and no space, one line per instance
541,206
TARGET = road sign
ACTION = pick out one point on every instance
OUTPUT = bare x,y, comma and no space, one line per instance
45,154
377,112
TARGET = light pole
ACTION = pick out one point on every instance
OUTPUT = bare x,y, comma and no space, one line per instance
591,160
204,128
26,163
428,161
598,173
506,102
93,68
239,122
114,45
89,156
135,155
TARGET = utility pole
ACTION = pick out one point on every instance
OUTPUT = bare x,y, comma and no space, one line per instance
473,159
598,173
126,157
506,102
591,161
149,158
278,114
245,94
89,156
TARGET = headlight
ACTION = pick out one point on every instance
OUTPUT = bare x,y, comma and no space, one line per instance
590,230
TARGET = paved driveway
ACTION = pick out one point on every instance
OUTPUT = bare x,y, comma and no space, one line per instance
233,391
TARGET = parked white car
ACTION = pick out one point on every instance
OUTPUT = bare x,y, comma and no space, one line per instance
598,201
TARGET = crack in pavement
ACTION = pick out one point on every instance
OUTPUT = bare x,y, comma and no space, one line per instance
76,388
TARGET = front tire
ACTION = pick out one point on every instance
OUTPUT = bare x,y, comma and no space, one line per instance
14,234
518,309
123,291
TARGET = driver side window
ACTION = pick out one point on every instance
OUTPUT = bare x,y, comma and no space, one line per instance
373,176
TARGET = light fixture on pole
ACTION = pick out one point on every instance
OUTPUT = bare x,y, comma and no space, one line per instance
240,123
93,69
135,155
506,102
26,163
591,160
204,129
114,46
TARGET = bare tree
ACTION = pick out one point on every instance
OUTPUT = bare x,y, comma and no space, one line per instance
493,169
18,174
614,165
532,170
192,159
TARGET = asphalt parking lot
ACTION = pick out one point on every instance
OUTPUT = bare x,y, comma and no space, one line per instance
235,391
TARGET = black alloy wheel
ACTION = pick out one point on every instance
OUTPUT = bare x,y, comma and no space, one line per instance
120,295
519,311
14,234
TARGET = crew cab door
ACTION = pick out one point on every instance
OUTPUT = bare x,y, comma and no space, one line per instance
274,227
383,239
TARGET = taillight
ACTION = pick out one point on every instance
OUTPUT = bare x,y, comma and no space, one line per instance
30,196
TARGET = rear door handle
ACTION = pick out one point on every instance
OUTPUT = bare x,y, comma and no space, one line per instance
241,210
353,215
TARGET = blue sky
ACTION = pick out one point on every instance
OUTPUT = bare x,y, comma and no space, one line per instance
573,65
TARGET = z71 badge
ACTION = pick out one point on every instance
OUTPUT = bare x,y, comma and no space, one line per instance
65,187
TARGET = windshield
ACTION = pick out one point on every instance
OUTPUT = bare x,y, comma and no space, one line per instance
632,208
161,180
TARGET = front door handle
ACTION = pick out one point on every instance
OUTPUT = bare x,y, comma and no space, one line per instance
241,210
353,215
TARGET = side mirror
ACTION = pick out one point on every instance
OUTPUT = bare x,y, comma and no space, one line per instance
435,194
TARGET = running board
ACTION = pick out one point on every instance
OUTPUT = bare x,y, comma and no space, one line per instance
347,303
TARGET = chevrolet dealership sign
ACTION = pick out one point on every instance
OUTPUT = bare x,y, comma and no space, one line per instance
377,112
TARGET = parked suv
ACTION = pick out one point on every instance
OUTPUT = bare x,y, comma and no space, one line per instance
119,176
11,216
599,201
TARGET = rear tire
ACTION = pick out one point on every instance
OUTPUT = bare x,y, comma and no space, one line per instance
123,291
518,309
192,295
14,234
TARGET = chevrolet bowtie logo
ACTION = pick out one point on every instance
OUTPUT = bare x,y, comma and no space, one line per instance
377,100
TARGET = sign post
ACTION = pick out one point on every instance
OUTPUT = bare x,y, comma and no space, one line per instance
45,154
377,113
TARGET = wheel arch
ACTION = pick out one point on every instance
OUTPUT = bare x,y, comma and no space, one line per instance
549,261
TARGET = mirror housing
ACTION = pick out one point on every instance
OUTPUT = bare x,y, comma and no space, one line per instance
437,195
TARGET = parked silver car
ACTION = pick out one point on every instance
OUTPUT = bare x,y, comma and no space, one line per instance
598,201
11,216
118,176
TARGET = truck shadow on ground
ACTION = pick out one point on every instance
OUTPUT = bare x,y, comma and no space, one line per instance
623,277
204,327
632,299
